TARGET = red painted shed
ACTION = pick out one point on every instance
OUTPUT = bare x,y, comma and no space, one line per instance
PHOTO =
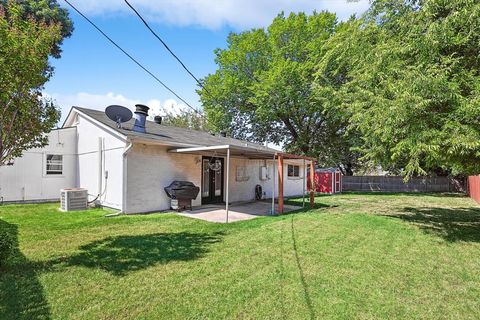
327,180
474,187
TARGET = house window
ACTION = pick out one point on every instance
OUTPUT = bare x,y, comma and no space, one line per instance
242,174
54,164
293,171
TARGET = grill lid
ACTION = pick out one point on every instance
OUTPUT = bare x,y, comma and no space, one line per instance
182,190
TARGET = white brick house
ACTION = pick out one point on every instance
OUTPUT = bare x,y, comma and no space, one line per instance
128,170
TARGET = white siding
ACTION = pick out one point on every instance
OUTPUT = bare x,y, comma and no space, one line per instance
293,186
26,180
88,133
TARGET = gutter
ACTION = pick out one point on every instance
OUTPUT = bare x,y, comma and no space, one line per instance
154,142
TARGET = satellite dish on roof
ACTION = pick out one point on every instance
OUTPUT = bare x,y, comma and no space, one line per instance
118,114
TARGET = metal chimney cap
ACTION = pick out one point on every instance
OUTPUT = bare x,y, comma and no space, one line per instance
141,108
158,119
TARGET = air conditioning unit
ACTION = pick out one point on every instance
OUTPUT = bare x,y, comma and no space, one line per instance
73,199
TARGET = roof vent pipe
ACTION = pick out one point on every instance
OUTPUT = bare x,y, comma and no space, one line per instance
158,119
141,113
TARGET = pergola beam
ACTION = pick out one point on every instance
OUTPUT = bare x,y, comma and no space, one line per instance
304,182
273,184
227,187
312,184
280,184
294,156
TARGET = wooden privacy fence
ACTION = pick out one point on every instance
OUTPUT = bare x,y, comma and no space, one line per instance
396,184
474,187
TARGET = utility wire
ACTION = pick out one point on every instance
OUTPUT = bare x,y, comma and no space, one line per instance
165,45
131,58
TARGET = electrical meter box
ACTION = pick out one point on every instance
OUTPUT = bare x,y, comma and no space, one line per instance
263,173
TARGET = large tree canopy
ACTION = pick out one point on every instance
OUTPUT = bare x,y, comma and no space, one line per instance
264,89
185,119
26,43
47,11
411,73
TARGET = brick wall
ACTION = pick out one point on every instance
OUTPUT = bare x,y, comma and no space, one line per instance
151,168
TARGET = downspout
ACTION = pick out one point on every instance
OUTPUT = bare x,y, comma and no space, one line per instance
130,144
124,181
273,185
100,165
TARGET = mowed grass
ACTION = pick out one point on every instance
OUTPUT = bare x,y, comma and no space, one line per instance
364,256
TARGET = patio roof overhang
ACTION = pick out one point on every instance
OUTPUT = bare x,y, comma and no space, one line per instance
239,151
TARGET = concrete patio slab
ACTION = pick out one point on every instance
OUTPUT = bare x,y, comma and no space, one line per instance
237,212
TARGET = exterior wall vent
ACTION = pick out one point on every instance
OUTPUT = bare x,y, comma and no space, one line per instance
140,116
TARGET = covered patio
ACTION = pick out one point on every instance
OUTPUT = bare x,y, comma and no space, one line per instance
237,211
228,212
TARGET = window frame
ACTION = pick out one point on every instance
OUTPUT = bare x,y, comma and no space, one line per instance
49,172
293,175
241,174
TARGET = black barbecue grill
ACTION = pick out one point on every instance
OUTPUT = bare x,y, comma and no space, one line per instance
182,193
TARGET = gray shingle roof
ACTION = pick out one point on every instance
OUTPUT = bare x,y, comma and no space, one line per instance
171,135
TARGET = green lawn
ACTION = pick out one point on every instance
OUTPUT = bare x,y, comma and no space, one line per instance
356,256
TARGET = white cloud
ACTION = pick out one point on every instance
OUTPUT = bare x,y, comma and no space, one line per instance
170,106
213,14
101,101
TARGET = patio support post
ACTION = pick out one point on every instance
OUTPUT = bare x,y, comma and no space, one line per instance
273,185
312,184
304,179
280,184
227,182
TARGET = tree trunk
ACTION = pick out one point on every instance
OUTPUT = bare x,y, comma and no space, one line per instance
346,169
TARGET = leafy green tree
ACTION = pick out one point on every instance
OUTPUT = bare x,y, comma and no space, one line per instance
185,119
264,89
25,46
411,73
47,11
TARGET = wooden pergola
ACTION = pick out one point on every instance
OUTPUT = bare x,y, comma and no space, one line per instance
281,157
255,153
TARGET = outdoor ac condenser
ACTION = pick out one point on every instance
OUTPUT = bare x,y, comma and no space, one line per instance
73,199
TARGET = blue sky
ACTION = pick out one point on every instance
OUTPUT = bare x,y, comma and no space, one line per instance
93,73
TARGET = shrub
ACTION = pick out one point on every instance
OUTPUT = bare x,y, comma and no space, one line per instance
7,245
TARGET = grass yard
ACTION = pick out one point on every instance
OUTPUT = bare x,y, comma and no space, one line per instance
356,256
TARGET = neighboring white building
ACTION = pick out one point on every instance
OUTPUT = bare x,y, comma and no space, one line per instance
128,170
40,173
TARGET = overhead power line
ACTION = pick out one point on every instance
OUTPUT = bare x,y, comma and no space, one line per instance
165,45
131,58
